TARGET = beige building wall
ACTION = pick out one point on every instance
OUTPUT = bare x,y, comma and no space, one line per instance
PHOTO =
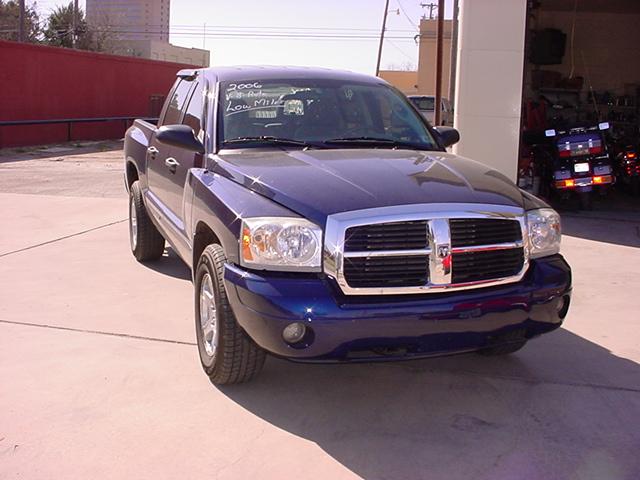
427,58
171,53
163,51
132,19
405,81
489,81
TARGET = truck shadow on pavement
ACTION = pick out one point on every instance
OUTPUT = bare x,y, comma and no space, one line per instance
562,408
170,264
601,227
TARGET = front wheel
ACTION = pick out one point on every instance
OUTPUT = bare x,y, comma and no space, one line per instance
227,353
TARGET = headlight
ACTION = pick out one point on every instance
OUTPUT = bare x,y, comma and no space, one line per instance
274,243
543,226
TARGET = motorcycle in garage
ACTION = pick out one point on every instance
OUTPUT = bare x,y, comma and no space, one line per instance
581,164
628,169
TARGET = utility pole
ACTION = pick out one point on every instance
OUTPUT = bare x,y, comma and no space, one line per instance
74,27
384,26
431,7
454,52
439,41
21,19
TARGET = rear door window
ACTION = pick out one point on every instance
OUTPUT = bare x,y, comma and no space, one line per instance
193,115
176,104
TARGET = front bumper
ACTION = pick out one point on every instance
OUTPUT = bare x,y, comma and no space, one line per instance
346,328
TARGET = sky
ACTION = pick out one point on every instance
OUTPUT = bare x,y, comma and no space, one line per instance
244,19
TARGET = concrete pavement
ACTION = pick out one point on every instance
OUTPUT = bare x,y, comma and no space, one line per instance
99,377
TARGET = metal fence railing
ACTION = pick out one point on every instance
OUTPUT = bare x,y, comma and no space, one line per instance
71,121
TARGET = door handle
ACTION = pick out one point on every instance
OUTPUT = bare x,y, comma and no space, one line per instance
172,164
152,152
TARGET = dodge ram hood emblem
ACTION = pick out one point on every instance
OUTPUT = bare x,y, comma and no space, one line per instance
443,251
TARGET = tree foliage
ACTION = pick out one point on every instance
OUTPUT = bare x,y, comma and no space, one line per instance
57,29
10,21
60,32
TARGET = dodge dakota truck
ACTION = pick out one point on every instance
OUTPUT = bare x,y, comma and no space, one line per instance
324,221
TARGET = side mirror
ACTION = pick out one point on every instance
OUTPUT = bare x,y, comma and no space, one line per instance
448,135
180,136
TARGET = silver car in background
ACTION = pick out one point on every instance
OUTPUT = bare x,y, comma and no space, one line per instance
426,104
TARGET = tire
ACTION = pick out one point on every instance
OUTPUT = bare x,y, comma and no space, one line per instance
514,341
145,240
586,200
227,354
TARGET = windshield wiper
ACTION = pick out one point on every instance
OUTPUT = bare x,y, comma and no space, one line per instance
268,139
375,141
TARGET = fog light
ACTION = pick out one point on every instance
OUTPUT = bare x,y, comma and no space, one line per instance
294,332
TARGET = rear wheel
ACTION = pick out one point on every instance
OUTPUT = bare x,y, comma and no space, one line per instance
586,200
227,353
146,242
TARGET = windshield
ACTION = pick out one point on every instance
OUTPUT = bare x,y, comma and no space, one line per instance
423,103
318,113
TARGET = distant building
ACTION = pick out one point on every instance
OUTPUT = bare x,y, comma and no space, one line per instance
423,81
140,28
164,51
132,19
404,80
427,57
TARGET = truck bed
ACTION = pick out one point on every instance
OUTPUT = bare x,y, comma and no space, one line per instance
136,142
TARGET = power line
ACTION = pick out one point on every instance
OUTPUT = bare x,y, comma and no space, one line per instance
401,51
407,16
125,35
230,34
285,27
249,29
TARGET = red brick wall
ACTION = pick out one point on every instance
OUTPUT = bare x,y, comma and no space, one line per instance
38,83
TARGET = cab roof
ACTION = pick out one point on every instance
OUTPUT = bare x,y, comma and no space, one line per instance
253,73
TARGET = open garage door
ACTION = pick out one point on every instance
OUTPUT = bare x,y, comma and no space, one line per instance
581,97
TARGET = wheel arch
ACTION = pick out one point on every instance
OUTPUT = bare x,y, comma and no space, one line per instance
218,206
203,236
131,173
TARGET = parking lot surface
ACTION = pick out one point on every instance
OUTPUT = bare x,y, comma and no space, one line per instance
99,374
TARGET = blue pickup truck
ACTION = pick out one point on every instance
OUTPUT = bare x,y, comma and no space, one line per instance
324,221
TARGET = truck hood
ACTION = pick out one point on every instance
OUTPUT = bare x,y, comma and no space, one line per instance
318,183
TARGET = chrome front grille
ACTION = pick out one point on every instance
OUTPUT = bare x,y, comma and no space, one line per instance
466,232
386,236
486,265
388,272
425,248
